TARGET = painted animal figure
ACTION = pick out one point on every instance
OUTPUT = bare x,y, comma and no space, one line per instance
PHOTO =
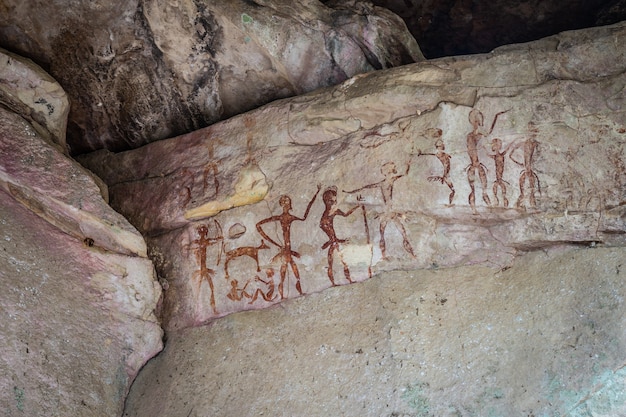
251,251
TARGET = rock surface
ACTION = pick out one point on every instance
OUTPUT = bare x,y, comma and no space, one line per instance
456,161
79,299
543,338
28,90
140,71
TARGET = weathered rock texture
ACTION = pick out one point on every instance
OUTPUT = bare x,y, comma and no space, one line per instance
79,294
139,71
32,93
544,338
451,162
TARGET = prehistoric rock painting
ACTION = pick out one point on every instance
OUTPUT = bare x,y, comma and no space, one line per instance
327,225
207,238
238,293
498,156
211,168
476,119
444,158
187,180
250,251
255,282
527,175
268,295
285,254
385,186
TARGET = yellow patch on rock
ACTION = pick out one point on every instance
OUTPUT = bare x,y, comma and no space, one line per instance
250,188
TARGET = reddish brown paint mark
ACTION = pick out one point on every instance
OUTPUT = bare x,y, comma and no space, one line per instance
201,244
285,219
498,156
327,225
250,251
385,187
528,175
444,158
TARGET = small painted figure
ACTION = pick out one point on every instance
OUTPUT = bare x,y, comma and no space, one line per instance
476,119
528,174
203,242
285,219
444,158
385,186
498,158
211,168
187,180
236,293
269,294
327,225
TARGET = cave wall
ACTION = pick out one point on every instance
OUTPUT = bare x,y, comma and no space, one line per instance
79,310
141,71
468,213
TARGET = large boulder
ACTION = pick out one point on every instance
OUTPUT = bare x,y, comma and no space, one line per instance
139,71
80,296
457,161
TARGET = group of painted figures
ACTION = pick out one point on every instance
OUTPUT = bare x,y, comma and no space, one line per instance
528,184
285,253
528,180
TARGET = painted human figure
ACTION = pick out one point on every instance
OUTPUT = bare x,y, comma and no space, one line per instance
211,168
285,219
236,293
327,225
185,184
269,294
498,158
203,242
527,175
476,119
444,158
391,175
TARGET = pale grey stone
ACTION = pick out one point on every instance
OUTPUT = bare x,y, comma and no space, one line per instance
544,337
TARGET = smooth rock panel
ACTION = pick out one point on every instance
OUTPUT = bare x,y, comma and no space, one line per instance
543,338
459,161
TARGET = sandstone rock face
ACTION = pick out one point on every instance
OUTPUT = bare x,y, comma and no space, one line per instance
545,337
137,72
27,90
79,294
456,161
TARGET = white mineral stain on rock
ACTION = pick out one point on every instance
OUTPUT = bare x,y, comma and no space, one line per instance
251,188
358,255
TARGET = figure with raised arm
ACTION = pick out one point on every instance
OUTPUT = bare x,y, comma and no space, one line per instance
327,225
201,244
476,119
498,159
444,158
391,175
285,219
